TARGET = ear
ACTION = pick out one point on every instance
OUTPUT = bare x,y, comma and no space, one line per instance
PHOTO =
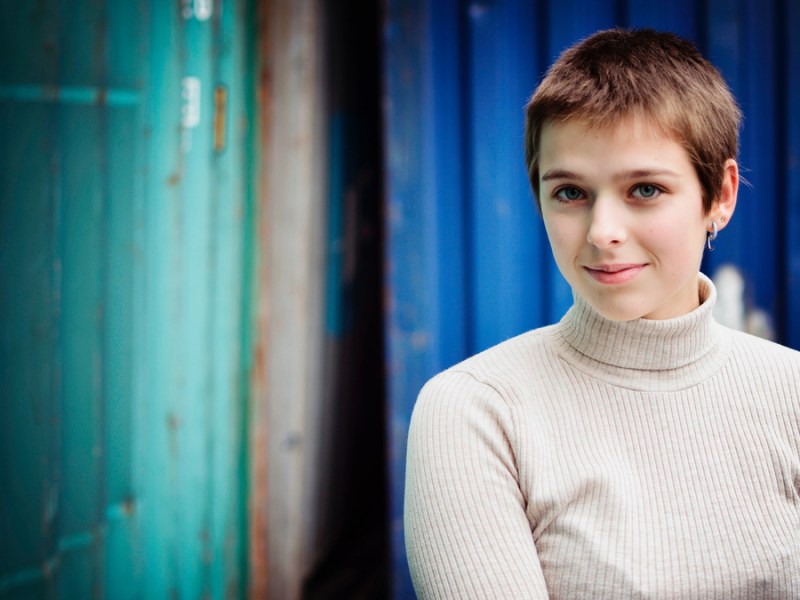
723,208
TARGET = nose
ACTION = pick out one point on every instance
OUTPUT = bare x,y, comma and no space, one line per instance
606,223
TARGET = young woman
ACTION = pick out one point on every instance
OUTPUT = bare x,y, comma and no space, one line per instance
636,449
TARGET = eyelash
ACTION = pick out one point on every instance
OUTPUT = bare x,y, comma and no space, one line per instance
557,193
657,190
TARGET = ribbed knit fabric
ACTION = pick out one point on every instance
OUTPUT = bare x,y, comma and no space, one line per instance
599,459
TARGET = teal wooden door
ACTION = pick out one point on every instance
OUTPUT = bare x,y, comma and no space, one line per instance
125,219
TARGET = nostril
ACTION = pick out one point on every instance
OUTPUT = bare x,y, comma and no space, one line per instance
602,240
605,233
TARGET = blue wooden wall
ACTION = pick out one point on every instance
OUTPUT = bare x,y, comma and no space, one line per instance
468,263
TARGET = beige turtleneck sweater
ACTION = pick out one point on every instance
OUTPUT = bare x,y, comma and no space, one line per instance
599,459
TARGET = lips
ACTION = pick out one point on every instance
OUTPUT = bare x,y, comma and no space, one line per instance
614,273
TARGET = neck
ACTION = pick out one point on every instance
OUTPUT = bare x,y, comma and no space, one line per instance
643,353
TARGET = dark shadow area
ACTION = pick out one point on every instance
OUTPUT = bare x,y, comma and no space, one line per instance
352,560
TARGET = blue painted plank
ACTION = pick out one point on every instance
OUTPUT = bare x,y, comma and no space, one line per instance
724,49
573,20
790,160
507,237
443,134
723,33
680,17
425,319
757,209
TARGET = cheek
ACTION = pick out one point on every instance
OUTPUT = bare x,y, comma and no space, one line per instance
562,233
679,242
562,246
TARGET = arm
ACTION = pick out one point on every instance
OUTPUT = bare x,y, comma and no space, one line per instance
467,535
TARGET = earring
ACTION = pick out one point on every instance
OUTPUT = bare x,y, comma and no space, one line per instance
711,236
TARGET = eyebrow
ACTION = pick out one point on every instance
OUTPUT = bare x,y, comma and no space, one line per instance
625,175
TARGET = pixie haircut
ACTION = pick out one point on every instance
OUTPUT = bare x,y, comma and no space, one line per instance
658,76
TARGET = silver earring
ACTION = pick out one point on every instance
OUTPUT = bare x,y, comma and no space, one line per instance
711,236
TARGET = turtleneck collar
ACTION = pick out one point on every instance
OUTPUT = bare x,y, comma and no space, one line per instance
644,354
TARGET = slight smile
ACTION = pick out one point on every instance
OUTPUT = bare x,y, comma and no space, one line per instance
613,274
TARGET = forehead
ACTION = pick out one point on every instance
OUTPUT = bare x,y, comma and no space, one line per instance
632,142
626,128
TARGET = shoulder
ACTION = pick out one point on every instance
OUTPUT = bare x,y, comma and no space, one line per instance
475,412
500,368
520,356
764,351
490,385
768,363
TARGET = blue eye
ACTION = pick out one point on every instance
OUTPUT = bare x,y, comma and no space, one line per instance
646,191
569,194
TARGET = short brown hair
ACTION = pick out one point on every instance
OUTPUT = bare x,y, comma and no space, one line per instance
660,76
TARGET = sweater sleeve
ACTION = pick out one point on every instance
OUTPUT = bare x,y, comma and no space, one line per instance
467,534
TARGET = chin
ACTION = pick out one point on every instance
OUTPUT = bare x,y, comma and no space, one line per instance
616,311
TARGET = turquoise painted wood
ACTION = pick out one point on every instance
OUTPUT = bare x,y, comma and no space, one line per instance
125,223
468,260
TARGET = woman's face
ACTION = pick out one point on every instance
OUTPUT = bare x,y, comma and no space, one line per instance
623,210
